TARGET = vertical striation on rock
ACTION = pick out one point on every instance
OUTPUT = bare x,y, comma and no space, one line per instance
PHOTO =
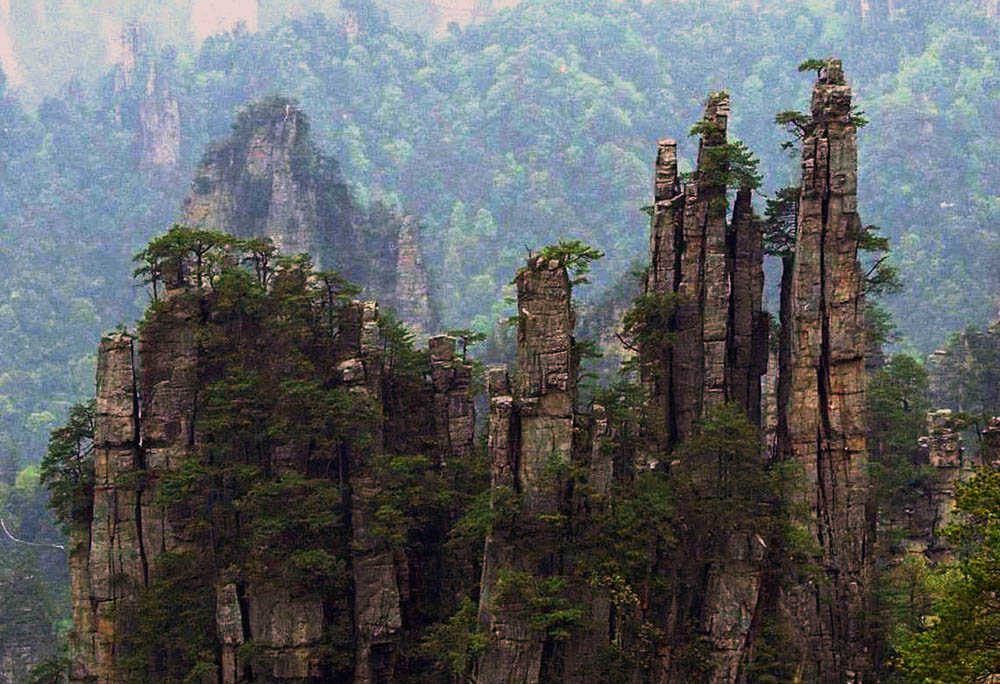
718,353
145,102
453,408
375,566
159,126
116,565
255,185
714,268
715,271
412,292
944,451
748,325
270,180
531,440
666,244
826,410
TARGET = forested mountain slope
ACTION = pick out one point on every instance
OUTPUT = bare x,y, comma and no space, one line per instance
533,126
502,135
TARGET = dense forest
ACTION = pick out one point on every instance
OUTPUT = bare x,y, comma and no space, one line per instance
531,127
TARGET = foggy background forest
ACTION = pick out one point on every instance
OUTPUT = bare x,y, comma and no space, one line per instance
503,127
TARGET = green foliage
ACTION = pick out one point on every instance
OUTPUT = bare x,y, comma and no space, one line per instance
467,337
797,124
456,643
881,277
550,609
816,65
781,219
647,325
574,256
168,633
50,671
723,482
959,642
68,468
412,493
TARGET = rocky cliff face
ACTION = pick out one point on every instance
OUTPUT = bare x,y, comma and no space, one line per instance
944,451
826,411
714,271
270,180
307,477
531,438
156,520
412,293
145,102
256,184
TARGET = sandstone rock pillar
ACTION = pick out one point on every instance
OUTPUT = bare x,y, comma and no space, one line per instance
719,350
826,411
117,565
376,566
453,407
945,454
531,443
412,291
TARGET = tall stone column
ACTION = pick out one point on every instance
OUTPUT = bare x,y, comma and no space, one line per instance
719,347
117,565
711,180
826,411
453,407
531,440
376,567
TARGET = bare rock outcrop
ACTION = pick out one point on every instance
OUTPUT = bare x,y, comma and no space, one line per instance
531,438
151,397
826,410
270,180
255,185
145,102
715,272
412,292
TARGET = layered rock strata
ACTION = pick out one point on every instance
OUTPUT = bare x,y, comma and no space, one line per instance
718,353
145,102
149,396
412,292
530,440
254,184
943,450
826,409
715,272
270,180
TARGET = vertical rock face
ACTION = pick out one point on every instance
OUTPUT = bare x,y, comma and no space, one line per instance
116,563
826,412
255,185
991,442
953,382
718,354
710,231
159,126
148,433
454,412
145,102
748,325
269,179
377,605
412,293
546,380
716,273
944,451
531,438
